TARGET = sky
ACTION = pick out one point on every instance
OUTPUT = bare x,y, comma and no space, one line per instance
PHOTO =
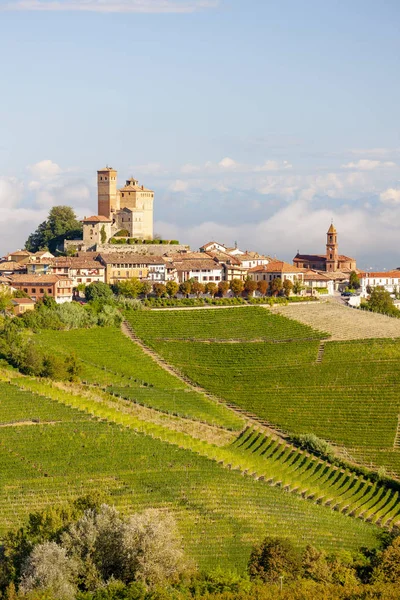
254,121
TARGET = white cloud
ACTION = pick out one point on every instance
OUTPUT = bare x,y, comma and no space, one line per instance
179,186
273,165
365,164
228,163
149,169
11,191
45,169
390,196
189,168
112,6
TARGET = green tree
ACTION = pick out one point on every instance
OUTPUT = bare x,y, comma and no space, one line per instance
354,281
275,286
237,286
159,289
287,287
381,302
274,558
223,287
185,288
98,291
315,565
211,288
130,288
103,235
5,299
61,224
146,288
250,286
387,568
197,288
298,286
262,287
172,288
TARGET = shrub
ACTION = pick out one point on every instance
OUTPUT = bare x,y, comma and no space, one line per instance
314,444
122,233
274,558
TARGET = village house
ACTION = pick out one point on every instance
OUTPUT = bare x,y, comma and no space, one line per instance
389,280
315,281
196,265
21,305
37,286
121,266
275,269
79,269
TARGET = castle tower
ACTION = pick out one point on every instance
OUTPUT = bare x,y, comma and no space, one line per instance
107,196
332,254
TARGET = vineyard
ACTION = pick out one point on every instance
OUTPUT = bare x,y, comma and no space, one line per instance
109,359
349,396
75,446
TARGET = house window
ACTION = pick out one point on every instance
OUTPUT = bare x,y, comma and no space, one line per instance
26,290
49,291
88,279
41,290
33,290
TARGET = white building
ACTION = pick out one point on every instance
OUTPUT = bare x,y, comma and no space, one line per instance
389,280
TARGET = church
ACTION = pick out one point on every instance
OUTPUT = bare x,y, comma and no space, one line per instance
331,262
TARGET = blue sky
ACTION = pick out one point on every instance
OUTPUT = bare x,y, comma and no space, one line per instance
256,121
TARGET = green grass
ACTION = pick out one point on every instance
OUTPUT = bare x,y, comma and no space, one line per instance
350,398
111,359
240,323
220,513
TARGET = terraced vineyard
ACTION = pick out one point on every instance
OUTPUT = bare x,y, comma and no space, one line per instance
219,512
109,359
349,397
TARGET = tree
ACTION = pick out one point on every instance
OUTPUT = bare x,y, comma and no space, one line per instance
388,564
5,299
172,288
103,235
262,287
61,224
274,558
98,291
223,287
185,288
211,288
131,288
250,286
315,565
287,287
298,286
49,569
381,302
354,281
159,289
197,288
275,286
237,286
146,288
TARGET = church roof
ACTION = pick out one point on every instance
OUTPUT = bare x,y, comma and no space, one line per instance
332,229
96,219
310,257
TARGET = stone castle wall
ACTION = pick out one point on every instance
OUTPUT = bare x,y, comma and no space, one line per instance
155,249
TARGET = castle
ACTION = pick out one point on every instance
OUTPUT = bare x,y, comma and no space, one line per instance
331,262
129,208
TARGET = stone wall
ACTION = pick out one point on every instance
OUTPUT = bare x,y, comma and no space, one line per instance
154,249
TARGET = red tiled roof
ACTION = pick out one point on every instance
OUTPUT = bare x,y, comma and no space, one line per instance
96,219
276,266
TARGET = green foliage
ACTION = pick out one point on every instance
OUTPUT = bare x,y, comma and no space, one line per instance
185,288
287,287
122,233
381,302
274,558
97,290
211,288
61,224
298,286
387,568
276,286
103,235
354,281
131,288
5,299
172,288
237,286
312,443
159,289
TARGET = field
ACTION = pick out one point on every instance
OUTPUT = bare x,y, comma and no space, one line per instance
108,358
350,397
65,452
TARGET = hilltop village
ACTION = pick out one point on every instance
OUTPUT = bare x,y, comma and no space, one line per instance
118,245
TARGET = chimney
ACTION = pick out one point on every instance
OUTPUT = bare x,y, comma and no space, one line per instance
142,187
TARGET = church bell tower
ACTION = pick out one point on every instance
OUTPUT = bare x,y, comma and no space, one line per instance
332,254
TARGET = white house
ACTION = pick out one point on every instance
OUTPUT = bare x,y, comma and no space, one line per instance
195,265
275,269
316,280
389,280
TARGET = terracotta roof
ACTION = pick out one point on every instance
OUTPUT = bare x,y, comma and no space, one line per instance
76,262
22,301
223,257
196,265
210,244
96,219
131,258
12,265
276,266
20,253
344,257
316,276
395,273
32,278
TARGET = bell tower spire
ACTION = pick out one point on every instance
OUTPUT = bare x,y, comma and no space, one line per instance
332,254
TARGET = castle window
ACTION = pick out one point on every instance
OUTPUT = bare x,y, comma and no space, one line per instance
123,197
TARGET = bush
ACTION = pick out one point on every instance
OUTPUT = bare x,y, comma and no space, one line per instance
122,233
274,558
314,444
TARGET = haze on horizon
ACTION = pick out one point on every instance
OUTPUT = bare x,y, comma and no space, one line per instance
256,122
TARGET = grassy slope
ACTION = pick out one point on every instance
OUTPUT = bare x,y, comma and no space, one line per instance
350,398
109,358
220,512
